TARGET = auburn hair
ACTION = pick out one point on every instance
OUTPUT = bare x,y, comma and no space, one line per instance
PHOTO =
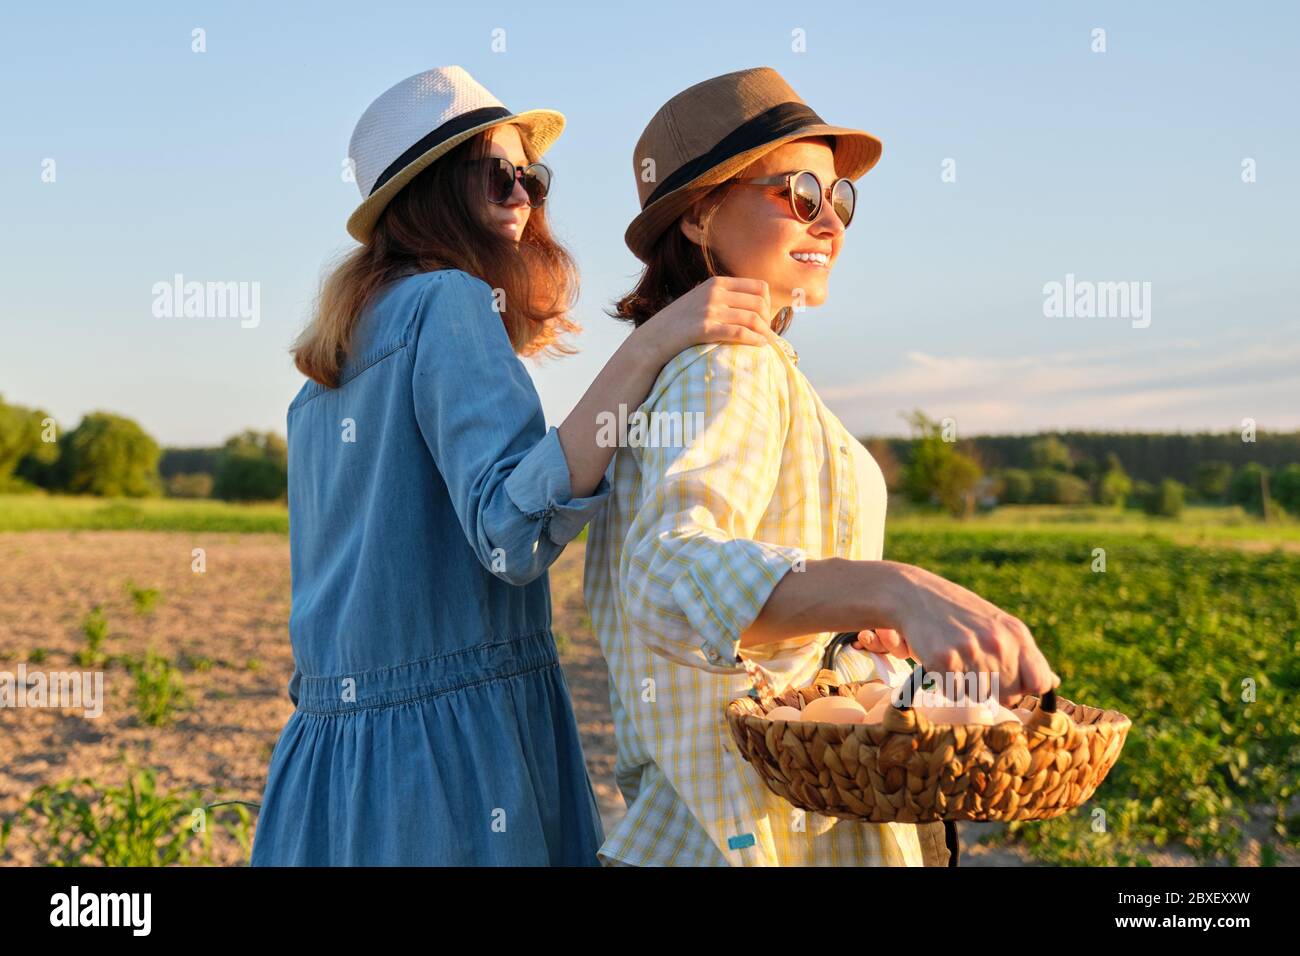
439,220
677,264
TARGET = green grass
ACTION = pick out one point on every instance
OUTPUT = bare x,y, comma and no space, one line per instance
43,512
1200,524
1173,636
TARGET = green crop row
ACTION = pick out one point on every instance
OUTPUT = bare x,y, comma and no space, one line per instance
1198,646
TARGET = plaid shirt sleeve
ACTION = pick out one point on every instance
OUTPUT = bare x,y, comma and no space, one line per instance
696,578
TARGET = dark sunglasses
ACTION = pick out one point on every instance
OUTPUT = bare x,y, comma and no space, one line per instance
500,176
806,193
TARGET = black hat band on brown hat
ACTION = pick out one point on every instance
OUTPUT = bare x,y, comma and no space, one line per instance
770,124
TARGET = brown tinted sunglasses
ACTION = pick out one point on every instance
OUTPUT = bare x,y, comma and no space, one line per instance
806,194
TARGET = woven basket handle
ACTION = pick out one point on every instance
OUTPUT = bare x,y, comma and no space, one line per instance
1047,703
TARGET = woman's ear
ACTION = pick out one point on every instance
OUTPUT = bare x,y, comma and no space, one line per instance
690,225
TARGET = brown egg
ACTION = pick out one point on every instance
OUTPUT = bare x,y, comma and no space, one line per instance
876,714
871,692
835,710
784,713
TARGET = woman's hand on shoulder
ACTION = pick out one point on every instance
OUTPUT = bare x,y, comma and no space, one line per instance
719,309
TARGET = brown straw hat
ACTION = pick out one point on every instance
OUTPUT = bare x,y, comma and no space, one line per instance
706,134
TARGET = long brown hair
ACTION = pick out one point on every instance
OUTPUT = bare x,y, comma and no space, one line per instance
439,221
676,265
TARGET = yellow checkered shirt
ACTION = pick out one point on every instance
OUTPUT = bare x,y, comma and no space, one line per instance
741,477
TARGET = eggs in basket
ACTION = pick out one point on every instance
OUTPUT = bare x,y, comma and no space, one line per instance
845,750
869,703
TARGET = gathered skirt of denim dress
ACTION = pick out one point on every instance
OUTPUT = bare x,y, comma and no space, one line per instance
427,499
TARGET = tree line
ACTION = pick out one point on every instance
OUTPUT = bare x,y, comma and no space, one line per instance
113,456
1155,472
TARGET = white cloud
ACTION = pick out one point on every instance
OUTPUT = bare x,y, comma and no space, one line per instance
1154,386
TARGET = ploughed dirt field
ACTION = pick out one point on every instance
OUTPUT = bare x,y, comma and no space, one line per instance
226,631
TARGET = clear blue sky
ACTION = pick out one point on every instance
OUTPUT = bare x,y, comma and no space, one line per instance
1114,166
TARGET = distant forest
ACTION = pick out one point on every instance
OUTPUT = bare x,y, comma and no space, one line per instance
110,456
188,461
1149,457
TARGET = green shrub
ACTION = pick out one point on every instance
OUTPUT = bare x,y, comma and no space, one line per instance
1049,453
1246,487
937,471
111,456
1141,494
1114,488
253,466
1017,487
22,434
1166,500
958,477
1286,488
1212,480
1058,488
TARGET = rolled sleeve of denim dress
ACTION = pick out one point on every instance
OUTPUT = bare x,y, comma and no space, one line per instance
480,415
432,723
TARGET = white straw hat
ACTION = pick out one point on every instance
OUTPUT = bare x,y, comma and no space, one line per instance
421,118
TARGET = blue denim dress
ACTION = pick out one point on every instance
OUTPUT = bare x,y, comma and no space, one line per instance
427,498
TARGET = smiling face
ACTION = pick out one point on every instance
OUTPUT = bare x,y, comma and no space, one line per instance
510,217
754,234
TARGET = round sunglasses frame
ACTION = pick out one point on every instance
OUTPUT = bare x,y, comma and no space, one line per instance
824,193
519,173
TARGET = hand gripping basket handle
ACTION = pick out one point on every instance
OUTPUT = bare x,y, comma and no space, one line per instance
1047,702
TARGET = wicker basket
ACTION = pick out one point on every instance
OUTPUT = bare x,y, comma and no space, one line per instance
909,770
